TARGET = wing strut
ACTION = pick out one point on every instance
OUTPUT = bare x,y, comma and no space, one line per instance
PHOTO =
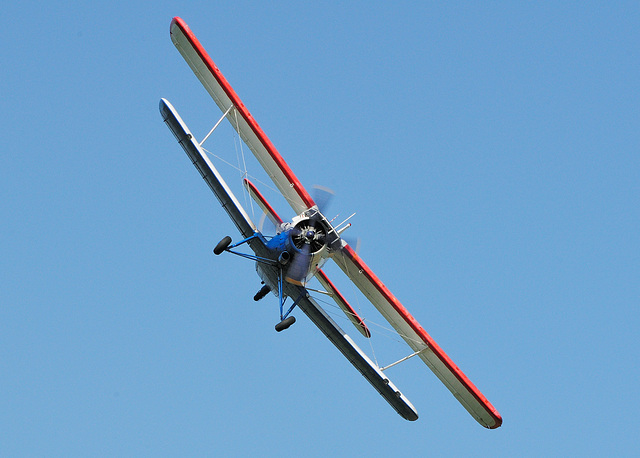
402,360
358,358
417,338
210,174
216,125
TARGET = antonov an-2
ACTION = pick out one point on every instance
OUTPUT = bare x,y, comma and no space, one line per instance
288,260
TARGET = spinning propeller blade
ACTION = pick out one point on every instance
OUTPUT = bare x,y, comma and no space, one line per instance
299,267
322,197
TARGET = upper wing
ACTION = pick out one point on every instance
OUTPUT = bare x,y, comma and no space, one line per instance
356,356
417,338
207,170
239,117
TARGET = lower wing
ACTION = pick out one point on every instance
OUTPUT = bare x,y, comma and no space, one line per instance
352,352
417,338
207,170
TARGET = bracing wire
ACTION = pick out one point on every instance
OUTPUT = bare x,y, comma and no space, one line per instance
382,329
242,163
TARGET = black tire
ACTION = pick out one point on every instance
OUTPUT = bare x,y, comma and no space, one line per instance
262,293
284,324
222,245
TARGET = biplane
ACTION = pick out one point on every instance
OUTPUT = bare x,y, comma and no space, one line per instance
300,248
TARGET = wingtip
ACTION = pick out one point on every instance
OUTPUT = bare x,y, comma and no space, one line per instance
498,422
178,22
164,106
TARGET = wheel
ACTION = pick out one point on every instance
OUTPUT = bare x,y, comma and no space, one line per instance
284,324
222,245
262,293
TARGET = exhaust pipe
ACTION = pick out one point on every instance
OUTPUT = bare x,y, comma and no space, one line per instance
284,258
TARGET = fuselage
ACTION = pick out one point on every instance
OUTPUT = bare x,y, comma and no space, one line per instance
300,249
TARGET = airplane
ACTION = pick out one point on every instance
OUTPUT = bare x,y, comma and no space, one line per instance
287,261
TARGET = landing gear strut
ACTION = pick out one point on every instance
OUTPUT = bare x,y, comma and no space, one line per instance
285,320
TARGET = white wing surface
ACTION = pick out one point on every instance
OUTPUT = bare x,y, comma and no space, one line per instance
417,338
239,117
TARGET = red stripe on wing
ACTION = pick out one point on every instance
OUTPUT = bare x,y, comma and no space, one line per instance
257,195
427,339
244,112
350,311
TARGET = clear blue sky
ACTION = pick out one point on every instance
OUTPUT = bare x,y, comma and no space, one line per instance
490,150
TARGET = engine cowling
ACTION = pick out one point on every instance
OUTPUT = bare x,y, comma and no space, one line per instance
311,232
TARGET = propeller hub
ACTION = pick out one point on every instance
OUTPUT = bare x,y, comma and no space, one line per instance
309,234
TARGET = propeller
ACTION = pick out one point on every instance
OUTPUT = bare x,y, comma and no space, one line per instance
299,267
322,196
353,242
267,226
309,236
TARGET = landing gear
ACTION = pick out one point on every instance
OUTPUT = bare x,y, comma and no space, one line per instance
262,293
284,324
285,320
222,245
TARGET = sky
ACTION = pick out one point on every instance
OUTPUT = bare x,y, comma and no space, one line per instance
490,150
